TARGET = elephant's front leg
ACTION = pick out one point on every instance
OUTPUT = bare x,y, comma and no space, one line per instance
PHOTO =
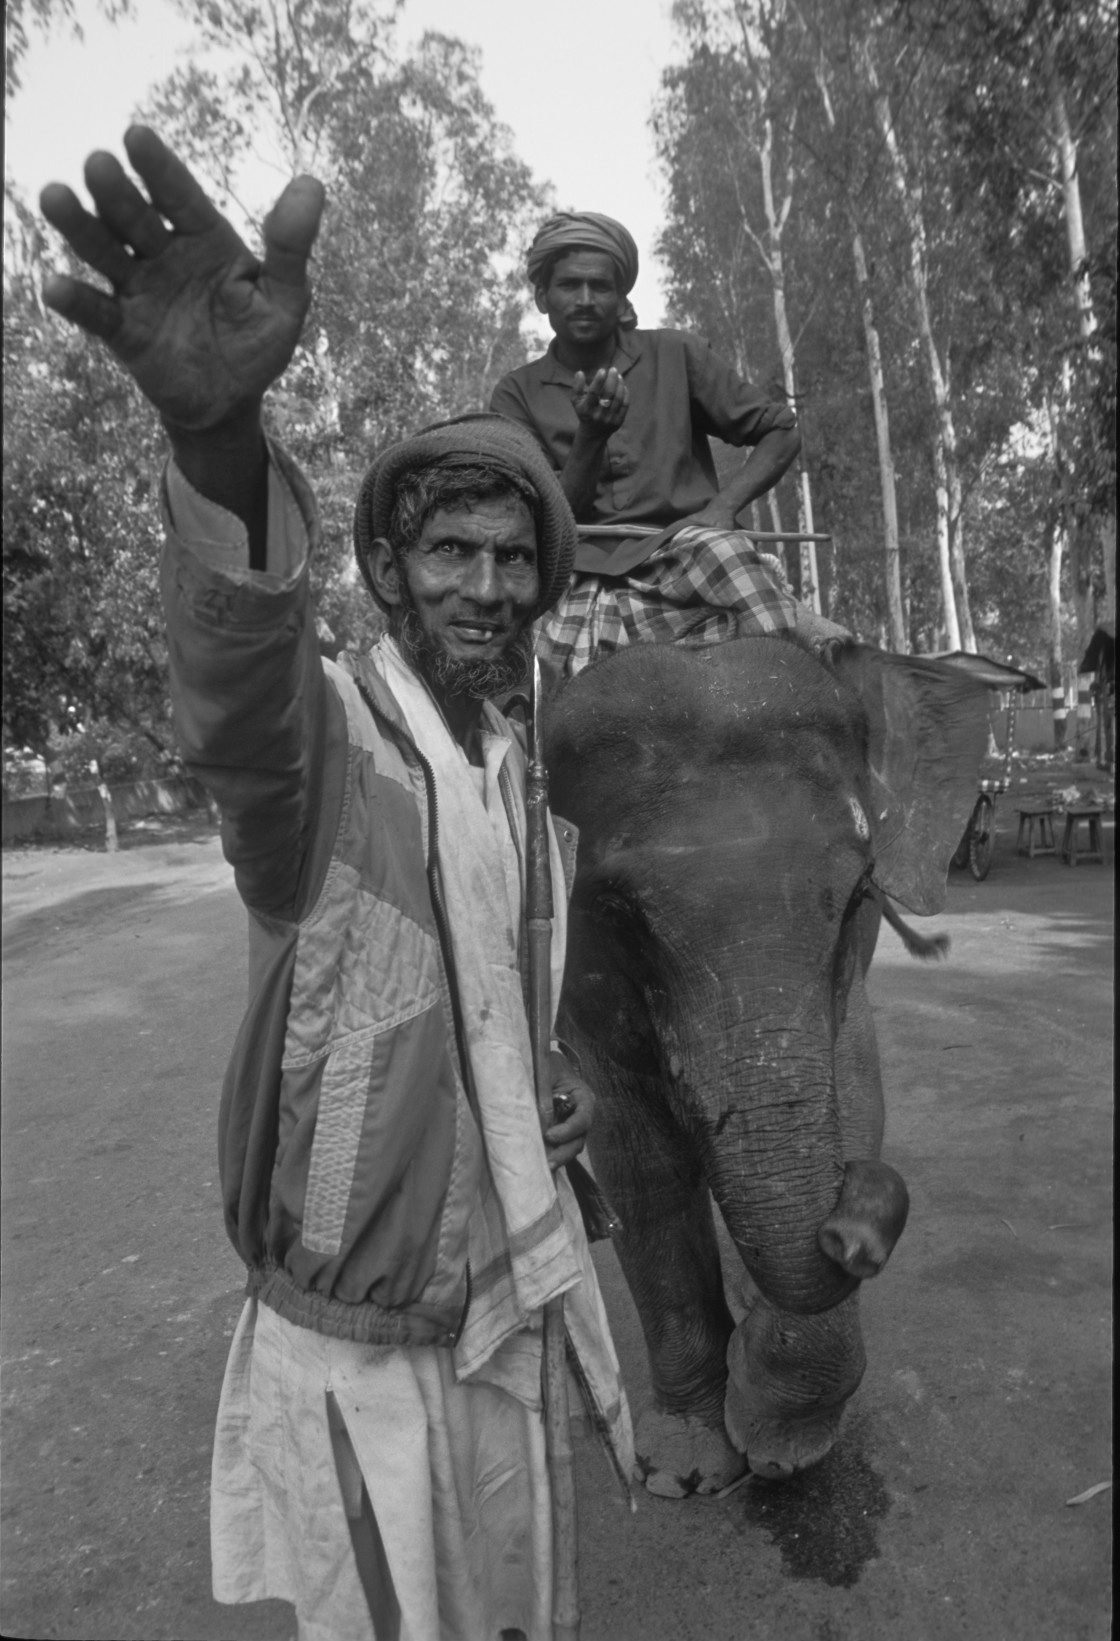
670,1259
789,1380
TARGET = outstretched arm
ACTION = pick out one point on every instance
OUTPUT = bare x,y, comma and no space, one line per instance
201,324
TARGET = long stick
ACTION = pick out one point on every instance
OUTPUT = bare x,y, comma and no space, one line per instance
554,1372
652,530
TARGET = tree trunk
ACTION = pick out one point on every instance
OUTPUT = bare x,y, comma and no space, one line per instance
775,222
1066,147
1059,531
1071,197
111,840
1054,628
1081,583
1107,528
950,534
898,637
950,625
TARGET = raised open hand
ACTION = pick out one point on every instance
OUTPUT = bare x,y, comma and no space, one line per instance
201,323
602,403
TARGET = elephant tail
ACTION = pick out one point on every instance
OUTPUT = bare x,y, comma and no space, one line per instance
929,948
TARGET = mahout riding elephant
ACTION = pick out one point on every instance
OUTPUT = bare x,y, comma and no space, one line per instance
744,810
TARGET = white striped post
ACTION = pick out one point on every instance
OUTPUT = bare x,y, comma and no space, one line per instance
1084,712
1059,709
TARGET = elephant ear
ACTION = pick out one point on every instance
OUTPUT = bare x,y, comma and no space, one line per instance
928,723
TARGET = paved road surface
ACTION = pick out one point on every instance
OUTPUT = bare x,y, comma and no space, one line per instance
942,1514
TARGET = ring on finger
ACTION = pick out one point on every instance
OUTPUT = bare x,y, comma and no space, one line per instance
604,401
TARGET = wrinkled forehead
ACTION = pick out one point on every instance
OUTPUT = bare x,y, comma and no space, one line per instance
502,518
581,264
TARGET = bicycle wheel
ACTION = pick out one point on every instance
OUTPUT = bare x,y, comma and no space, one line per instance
981,837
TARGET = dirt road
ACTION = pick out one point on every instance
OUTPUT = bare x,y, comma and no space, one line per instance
942,1514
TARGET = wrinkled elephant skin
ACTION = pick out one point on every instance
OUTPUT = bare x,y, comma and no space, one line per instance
742,809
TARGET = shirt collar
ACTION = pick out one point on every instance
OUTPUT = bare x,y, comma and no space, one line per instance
627,352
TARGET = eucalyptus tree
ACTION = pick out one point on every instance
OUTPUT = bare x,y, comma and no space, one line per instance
738,55
773,165
1036,107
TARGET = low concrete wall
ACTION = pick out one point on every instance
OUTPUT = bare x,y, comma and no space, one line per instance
80,809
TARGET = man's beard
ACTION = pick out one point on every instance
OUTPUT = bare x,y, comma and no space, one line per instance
481,680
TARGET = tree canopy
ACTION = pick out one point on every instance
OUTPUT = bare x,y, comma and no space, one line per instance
418,305
922,143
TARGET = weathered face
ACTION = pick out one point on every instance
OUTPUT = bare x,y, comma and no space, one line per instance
473,577
582,298
464,593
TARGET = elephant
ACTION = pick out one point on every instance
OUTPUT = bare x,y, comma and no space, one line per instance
744,811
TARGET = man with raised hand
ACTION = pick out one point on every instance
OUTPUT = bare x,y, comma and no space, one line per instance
379,1457
624,417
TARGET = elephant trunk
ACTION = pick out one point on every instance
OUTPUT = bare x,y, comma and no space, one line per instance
868,1219
772,1147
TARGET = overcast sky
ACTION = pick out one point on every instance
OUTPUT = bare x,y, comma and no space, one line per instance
575,83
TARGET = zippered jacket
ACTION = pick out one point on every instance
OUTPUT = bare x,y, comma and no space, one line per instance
349,1154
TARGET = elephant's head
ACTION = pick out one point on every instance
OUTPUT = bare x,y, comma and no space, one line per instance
737,804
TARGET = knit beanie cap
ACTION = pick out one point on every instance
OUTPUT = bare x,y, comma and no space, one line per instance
495,442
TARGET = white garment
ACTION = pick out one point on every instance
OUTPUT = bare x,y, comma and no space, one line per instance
455,1473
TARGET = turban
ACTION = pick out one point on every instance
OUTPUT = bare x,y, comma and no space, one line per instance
494,442
585,231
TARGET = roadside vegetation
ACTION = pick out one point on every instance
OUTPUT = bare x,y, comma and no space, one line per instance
902,216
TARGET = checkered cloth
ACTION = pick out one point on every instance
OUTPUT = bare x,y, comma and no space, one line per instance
701,587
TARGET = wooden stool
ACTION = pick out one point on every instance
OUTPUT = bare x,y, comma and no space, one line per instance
1095,851
1044,815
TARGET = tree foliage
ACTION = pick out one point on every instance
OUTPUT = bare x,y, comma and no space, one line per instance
83,632
965,80
418,305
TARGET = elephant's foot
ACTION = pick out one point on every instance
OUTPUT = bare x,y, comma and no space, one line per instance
778,1448
678,1455
868,1219
789,1379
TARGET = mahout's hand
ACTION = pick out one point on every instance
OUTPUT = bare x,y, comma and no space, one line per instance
716,516
602,403
565,1138
202,325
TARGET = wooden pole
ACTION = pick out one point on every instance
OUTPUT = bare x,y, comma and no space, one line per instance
554,1367
631,530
